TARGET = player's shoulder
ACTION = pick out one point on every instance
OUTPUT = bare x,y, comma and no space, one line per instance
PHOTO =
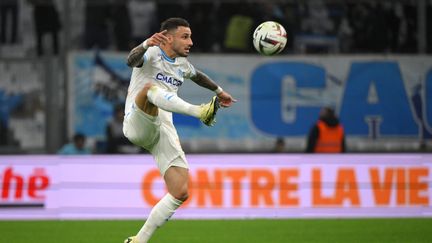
152,53
154,50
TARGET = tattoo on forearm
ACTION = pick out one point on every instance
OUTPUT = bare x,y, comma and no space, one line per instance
135,57
204,81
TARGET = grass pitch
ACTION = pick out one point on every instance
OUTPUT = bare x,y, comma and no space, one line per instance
223,231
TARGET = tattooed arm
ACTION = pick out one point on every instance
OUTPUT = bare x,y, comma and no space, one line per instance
205,81
135,57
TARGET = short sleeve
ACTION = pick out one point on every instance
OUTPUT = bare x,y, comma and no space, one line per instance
189,70
149,54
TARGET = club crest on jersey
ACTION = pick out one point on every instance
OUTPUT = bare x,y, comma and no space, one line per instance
180,73
168,79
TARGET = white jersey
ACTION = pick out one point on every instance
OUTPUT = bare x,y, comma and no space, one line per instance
167,73
157,134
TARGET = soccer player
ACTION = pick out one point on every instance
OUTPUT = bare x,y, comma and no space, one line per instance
159,68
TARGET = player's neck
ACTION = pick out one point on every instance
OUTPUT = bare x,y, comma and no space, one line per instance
168,51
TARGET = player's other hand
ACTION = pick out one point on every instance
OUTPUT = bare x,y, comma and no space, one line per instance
157,39
225,99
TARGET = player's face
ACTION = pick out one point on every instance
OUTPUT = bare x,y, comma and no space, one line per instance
182,41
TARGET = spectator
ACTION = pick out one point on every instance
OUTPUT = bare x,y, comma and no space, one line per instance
47,21
238,31
279,146
96,28
361,26
408,29
76,147
429,27
318,21
380,30
8,7
3,133
291,23
120,20
143,17
327,135
116,141
345,34
202,19
318,30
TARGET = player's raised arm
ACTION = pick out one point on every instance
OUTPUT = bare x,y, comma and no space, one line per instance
135,57
225,99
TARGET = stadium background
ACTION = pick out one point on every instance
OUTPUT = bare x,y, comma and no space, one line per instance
370,60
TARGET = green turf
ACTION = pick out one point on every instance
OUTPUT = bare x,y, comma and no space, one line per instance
223,231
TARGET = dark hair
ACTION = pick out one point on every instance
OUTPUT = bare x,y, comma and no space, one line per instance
173,23
327,113
79,136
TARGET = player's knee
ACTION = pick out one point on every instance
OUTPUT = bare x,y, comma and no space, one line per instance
147,86
182,194
183,197
144,90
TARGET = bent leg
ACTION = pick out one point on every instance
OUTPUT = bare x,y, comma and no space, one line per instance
152,95
169,101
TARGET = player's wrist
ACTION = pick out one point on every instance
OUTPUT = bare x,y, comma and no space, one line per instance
218,90
145,45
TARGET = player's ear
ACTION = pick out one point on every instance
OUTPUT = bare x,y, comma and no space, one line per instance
170,38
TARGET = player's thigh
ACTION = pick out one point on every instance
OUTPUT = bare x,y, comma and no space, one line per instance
141,129
142,102
168,151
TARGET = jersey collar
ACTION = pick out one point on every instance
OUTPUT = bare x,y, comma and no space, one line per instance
166,57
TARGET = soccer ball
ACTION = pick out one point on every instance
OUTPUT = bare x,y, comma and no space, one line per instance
269,38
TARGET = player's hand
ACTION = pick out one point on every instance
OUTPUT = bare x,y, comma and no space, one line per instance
225,99
157,39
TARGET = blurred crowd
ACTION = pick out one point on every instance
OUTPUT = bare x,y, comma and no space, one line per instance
313,26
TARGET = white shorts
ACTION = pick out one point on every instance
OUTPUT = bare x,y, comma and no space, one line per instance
159,138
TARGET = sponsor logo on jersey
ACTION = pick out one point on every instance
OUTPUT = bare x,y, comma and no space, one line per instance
168,79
